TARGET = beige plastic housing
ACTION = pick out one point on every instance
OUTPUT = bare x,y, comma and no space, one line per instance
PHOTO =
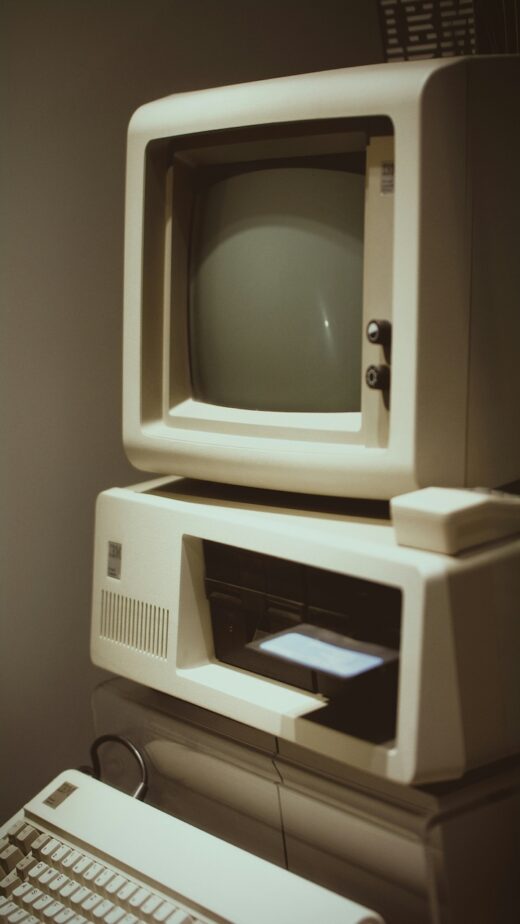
440,263
458,698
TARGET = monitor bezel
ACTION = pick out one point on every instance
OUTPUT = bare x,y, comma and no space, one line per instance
388,450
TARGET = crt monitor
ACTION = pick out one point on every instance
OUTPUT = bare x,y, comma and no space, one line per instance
320,279
275,297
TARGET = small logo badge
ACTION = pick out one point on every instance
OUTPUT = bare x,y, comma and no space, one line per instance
387,177
63,792
114,560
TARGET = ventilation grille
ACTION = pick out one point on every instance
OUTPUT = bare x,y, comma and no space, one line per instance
137,625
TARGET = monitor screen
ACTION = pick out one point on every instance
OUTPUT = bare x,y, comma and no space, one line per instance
275,298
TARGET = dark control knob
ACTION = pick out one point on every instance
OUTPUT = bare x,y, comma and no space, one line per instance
379,332
378,377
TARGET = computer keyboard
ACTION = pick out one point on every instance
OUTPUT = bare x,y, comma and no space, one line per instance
82,852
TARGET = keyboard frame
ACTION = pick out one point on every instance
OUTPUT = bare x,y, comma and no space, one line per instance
235,886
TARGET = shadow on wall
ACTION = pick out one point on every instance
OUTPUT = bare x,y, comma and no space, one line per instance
74,73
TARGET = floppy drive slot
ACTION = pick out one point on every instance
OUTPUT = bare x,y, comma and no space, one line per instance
321,631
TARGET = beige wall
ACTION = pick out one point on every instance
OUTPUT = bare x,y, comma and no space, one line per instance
72,73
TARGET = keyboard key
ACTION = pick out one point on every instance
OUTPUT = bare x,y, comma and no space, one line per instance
129,919
71,859
52,910
8,883
78,919
17,916
64,916
93,871
90,903
58,882
180,917
47,875
9,857
82,864
103,908
68,888
15,828
24,866
125,892
38,845
35,872
115,884
25,837
31,895
59,855
79,896
139,897
164,912
49,848
151,904
21,890
6,909
103,879
114,916
41,902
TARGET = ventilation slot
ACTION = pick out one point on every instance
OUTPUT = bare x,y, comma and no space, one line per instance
137,625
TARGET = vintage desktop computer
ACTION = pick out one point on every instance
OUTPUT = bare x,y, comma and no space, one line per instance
320,358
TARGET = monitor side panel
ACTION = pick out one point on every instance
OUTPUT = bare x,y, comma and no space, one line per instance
494,383
431,282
